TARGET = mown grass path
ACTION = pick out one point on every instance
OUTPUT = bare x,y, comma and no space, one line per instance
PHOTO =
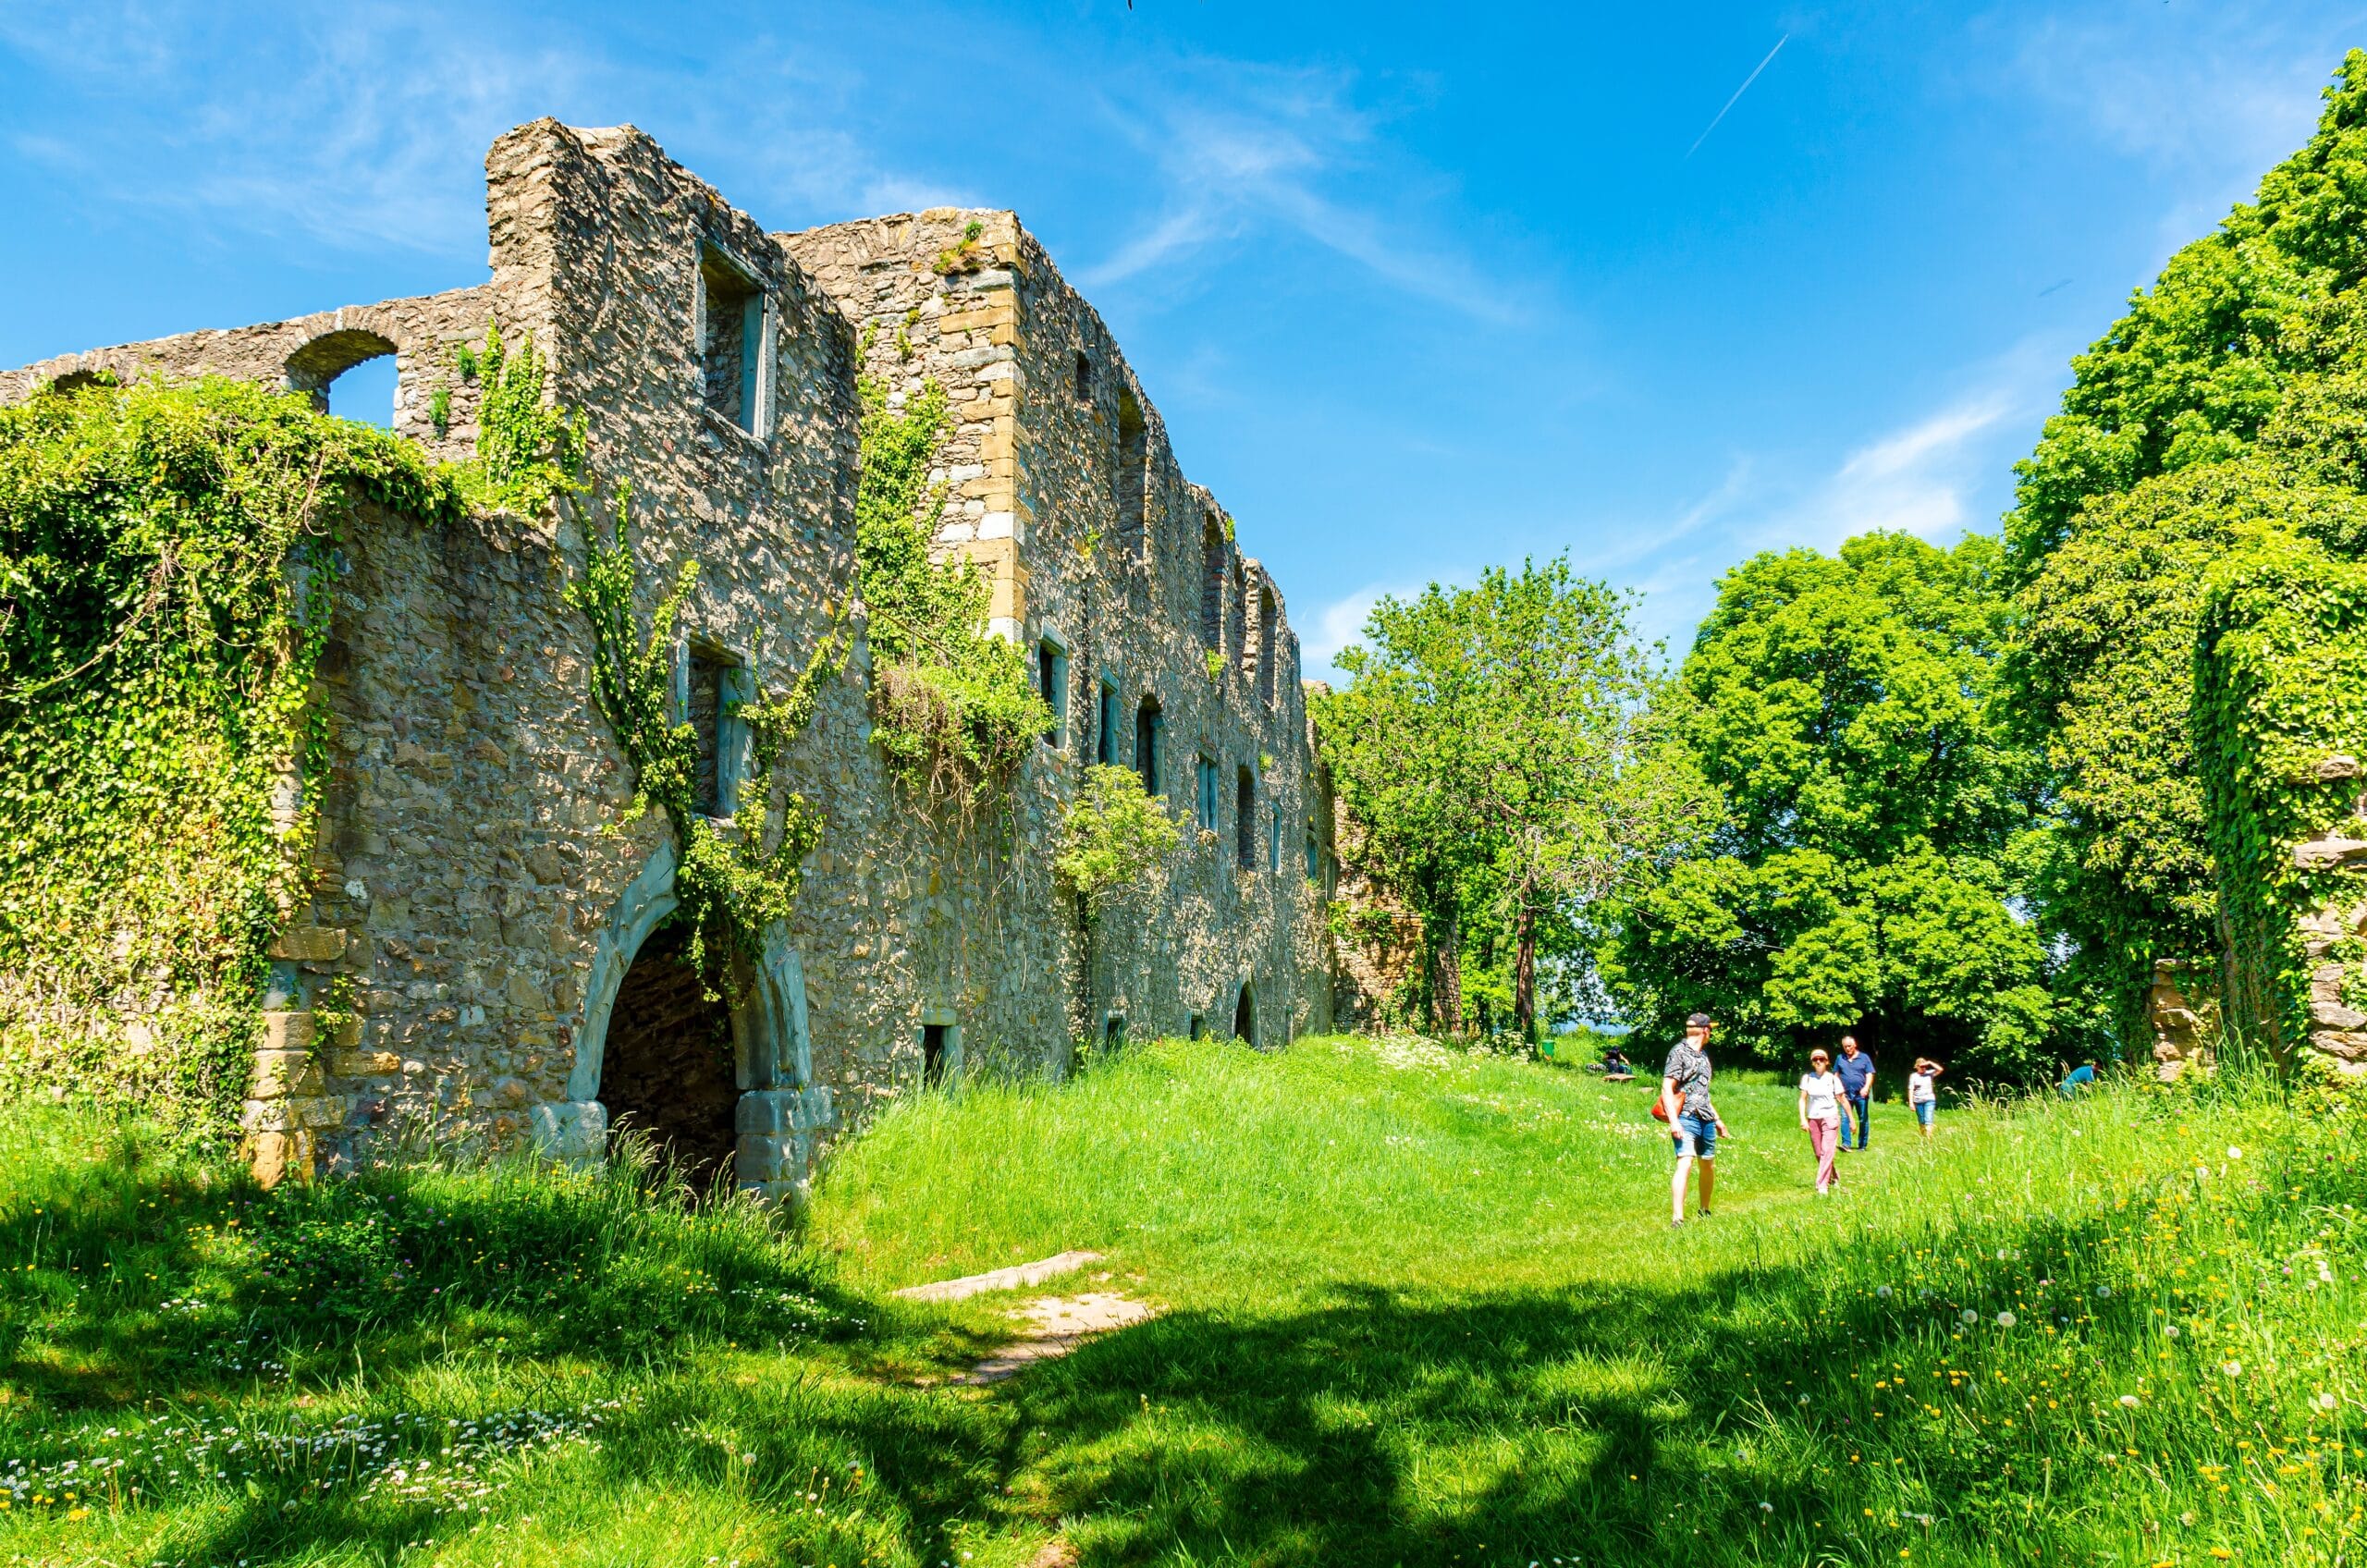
1419,1309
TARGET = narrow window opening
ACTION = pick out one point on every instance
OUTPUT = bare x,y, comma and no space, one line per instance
731,314
1274,839
1105,727
1113,1031
1149,726
1208,794
1268,626
1052,685
1245,1016
1132,474
933,1053
1314,852
1236,615
1212,583
1244,819
708,688
1083,377
1196,1027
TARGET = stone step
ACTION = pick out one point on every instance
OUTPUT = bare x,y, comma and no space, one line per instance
1019,1276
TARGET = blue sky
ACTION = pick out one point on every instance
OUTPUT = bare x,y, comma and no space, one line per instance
1419,289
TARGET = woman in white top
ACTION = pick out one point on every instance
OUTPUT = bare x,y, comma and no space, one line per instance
1920,1094
1820,1115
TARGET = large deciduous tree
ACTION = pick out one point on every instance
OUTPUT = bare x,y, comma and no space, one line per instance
1866,874
1498,749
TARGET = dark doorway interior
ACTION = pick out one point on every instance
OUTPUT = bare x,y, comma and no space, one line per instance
1245,1016
933,1053
667,1071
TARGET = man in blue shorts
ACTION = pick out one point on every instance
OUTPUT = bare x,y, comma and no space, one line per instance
1856,1070
1692,1120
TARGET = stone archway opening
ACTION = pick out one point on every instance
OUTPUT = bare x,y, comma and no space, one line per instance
667,1070
1245,1016
351,373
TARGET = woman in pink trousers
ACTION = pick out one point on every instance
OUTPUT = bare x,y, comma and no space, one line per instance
1820,1115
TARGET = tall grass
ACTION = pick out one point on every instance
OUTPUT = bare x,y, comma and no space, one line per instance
1419,1308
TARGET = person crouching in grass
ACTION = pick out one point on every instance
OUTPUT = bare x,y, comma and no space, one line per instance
1921,1093
1820,1115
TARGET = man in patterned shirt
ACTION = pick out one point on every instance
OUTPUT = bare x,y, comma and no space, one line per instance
1692,1121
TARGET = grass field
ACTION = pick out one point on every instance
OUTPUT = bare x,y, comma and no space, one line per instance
1419,1308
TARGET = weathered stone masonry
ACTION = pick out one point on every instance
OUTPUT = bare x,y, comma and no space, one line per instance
473,886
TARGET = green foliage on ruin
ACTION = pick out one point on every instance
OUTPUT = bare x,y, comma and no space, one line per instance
167,560
2229,395
734,878
953,709
1112,835
1875,836
530,449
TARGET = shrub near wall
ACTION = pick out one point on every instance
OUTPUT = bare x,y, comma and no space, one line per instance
168,556
2280,730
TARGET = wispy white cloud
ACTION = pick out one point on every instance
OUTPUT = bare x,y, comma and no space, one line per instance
1241,149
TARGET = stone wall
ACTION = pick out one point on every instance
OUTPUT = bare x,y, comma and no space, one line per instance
475,893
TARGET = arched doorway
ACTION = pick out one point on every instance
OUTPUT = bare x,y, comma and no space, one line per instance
667,1070
1245,1016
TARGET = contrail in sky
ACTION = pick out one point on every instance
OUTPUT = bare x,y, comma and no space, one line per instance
1737,97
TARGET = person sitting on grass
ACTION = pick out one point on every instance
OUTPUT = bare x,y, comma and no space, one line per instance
1693,1122
1921,1095
1614,1065
2079,1078
1821,1114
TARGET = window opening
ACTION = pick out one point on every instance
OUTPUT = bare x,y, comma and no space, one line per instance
1245,1016
709,688
1208,794
1149,726
349,373
1134,440
1113,1031
1236,612
1083,377
1244,819
1212,583
1314,852
1105,727
1195,1027
1052,685
1268,624
933,1053
731,326
1274,839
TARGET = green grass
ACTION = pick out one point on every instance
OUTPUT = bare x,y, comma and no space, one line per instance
1418,1308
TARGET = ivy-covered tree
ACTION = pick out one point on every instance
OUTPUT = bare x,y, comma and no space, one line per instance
2229,395
1866,873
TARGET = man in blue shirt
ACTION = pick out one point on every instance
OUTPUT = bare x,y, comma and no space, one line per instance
1856,1070
2080,1077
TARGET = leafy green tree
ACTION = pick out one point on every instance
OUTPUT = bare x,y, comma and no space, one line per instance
1866,873
2229,394
1499,739
1113,835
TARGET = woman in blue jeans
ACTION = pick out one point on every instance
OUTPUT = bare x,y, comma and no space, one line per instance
1692,1120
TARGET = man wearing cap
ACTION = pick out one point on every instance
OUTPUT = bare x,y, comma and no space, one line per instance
1692,1121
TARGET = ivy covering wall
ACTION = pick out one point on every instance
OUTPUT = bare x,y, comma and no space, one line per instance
166,554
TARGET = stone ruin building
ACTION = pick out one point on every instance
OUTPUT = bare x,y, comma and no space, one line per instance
498,928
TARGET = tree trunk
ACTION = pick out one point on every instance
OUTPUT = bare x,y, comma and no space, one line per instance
1524,975
1082,1030
1443,938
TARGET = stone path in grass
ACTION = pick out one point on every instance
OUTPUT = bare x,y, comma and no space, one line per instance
1054,1324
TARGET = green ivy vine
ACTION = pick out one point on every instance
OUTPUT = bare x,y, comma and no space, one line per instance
734,879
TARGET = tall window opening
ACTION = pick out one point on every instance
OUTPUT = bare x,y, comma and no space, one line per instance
1207,798
1105,727
1274,839
1149,725
1244,819
731,319
1245,1016
1212,583
709,684
1052,685
1133,474
1236,614
667,1068
1083,377
1268,625
933,1053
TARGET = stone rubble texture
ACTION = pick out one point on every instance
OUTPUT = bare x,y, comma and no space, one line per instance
477,887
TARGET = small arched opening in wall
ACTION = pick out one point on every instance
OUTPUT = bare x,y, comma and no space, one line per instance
669,1070
75,381
1212,583
1244,1014
351,373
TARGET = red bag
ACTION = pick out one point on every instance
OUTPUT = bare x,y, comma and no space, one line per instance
1660,1107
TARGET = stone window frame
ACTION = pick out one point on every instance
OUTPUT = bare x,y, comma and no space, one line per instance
1207,800
1149,766
951,1057
1052,683
735,688
1107,724
759,381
